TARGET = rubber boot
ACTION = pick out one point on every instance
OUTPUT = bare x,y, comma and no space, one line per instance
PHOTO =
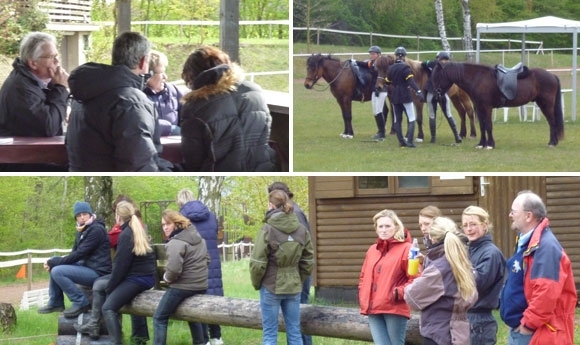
433,129
113,327
451,121
410,134
380,120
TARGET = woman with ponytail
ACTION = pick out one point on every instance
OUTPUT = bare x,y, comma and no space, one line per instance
133,269
446,289
282,259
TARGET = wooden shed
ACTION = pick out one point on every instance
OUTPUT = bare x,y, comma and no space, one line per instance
72,20
341,210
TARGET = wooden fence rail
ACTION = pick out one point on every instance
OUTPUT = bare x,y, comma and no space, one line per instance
233,251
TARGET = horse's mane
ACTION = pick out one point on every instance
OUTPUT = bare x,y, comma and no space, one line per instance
386,60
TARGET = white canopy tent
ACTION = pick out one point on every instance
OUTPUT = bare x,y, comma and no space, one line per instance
547,24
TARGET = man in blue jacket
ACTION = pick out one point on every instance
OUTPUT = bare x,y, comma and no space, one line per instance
539,297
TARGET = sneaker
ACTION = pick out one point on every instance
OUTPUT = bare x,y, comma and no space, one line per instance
47,309
75,311
216,341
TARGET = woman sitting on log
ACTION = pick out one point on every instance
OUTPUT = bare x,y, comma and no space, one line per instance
185,272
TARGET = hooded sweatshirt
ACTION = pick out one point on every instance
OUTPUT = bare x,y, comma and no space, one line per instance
283,255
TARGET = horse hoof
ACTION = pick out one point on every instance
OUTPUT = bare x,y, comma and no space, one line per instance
419,140
346,136
489,147
479,147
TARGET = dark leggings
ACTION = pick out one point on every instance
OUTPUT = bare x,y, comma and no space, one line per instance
429,341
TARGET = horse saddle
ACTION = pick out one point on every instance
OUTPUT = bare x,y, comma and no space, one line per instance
507,79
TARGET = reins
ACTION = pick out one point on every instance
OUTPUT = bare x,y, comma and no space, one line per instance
324,88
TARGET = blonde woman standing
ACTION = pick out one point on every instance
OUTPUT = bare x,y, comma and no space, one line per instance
383,278
489,263
446,289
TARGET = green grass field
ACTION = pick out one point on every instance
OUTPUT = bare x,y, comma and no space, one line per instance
520,146
35,329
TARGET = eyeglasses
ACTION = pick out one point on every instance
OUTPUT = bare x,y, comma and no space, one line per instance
50,57
470,225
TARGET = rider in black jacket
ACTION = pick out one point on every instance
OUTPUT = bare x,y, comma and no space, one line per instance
401,77
442,56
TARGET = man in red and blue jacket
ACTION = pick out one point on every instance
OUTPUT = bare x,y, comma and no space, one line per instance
539,297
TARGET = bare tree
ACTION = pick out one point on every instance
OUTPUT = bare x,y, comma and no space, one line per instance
99,194
441,24
467,36
209,191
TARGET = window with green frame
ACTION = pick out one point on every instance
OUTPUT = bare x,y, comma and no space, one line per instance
375,185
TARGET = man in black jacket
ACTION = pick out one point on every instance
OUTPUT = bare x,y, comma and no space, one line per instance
33,99
113,125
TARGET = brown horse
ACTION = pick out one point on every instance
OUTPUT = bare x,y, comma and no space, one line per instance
342,81
480,82
459,98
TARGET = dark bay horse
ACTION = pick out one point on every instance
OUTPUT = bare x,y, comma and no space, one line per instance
480,82
459,98
342,82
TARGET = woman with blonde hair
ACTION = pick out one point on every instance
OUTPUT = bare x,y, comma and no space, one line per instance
489,263
383,278
133,269
185,272
446,289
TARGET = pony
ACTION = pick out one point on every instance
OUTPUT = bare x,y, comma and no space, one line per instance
342,81
461,101
480,83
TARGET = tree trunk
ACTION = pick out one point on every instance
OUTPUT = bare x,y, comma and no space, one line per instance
7,318
467,36
441,25
99,194
209,192
334,322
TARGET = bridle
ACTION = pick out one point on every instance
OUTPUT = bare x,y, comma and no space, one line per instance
317,77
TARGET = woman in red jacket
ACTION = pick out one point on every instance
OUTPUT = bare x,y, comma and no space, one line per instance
383,279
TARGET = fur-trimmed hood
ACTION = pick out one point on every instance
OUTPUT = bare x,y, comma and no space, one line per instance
219,79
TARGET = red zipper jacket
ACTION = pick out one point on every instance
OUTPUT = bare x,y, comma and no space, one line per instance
383,278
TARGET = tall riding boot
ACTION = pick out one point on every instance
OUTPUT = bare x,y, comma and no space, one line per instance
380,120
399,132
433,129
451,121
410,134
113,327
93,326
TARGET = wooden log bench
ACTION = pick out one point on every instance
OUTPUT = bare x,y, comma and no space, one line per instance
324,321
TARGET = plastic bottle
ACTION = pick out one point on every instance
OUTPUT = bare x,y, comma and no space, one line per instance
413,268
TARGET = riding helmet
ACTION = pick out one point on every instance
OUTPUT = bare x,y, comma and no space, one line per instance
375,49
400,51
443,55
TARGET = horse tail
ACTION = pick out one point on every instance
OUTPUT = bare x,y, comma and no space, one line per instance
558,114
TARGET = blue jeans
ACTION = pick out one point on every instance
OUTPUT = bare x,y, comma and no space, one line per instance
516,338
171,299
63,279
483,328
270,305
388,329
305,299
